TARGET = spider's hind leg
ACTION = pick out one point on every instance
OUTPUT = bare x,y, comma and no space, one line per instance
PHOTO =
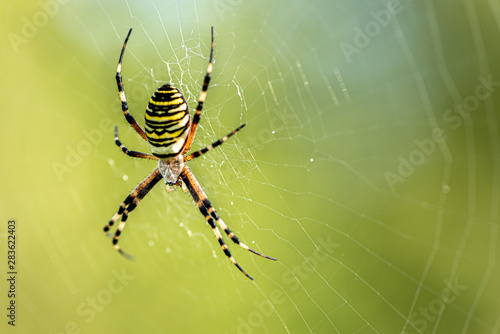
128,116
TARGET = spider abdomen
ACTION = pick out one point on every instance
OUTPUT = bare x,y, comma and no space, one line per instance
167,122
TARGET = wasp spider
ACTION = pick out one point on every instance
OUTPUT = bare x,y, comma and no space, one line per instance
170,132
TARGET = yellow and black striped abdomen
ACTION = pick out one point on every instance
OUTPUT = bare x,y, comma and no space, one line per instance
167,122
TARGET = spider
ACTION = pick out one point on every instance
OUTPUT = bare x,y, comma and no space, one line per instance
170,132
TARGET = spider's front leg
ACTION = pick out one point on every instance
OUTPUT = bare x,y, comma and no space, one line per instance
130,203
210,214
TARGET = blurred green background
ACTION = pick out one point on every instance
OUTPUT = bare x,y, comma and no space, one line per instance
370,166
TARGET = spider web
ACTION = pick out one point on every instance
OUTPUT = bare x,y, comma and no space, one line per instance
369,166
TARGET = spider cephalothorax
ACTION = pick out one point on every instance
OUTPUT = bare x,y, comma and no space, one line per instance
170,132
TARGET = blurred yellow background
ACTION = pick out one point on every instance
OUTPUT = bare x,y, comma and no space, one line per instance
369,166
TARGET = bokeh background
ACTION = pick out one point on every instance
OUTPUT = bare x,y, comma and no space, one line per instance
369,166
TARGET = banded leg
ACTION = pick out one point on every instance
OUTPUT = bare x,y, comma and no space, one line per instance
202,197
201,99
198,196
208,211
133,154
130,203
130,119
212,146
230,234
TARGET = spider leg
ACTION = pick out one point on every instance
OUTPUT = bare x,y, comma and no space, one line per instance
206,201
198,196
130,119
133,154
230,234
212,146
208,211
201,100
130,203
